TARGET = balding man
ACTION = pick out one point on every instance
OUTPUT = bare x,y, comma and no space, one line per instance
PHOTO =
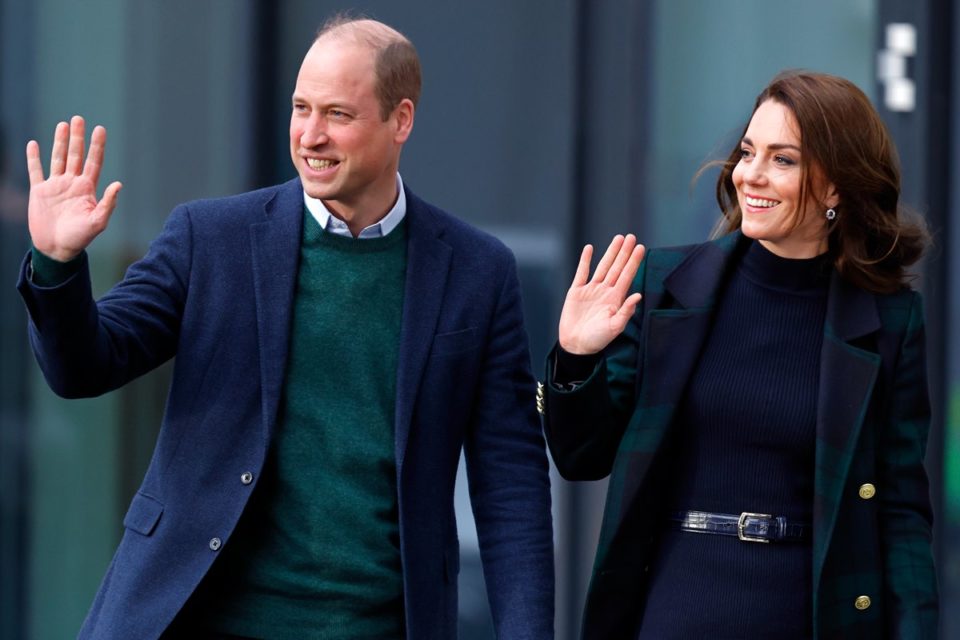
338,341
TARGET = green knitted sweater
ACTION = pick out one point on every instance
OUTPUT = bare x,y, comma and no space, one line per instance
317,552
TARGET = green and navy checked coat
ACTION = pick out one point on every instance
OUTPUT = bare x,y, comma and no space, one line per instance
872,425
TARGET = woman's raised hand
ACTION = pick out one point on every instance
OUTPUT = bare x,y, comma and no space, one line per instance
597,310
64,214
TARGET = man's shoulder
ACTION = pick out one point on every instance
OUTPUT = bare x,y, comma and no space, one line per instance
453,230
252,200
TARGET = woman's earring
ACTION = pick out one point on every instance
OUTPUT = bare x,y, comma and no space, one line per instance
831,214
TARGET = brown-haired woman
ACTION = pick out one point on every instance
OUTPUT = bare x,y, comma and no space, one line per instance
763,411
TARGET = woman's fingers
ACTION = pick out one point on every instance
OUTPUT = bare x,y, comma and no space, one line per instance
626,248
607,260
583,268
626,311
629,271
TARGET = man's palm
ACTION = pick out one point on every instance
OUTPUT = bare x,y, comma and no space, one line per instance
64,213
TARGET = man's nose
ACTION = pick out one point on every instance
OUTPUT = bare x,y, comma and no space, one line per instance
314,133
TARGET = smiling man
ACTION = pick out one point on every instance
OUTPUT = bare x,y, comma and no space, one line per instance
338,342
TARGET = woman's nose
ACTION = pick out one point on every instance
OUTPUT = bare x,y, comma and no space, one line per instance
754,172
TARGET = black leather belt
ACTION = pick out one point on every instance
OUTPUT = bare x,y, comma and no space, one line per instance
748,527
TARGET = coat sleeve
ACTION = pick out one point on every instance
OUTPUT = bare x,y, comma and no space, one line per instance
509,477
584,425
905,516
86,348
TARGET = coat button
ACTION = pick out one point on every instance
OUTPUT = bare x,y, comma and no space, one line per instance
541,406
867,491
215,544
862,603
246,477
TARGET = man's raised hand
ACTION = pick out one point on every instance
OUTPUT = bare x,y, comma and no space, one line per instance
64,214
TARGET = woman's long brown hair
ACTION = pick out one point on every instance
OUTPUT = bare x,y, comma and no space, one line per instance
873,239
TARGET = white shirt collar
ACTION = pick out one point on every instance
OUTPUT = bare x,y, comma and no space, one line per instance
382,227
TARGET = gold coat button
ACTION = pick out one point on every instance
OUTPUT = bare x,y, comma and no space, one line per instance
867,491
862,603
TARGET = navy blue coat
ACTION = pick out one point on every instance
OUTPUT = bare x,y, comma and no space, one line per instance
216,291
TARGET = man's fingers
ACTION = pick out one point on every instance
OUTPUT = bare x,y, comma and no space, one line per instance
583,269
34,165
604,265
75,146
58,154
108,202
98,140
623,255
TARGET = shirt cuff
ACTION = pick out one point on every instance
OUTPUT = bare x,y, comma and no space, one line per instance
47,272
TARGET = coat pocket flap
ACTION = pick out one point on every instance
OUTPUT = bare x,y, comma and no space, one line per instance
143,514
453,342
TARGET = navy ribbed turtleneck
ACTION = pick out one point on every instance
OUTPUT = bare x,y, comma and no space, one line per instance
743,440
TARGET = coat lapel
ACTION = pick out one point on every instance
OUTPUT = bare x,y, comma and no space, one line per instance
674,331
275,252
428,264
847,377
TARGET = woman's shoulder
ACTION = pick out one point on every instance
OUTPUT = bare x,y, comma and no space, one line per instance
672,256
901,308
661,261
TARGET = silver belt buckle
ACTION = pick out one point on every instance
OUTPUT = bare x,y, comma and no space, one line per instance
742,526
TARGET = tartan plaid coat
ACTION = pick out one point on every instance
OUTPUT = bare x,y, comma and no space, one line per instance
872,515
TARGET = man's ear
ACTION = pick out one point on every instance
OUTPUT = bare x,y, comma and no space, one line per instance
402,117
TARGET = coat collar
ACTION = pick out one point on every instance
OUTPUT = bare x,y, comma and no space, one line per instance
695,282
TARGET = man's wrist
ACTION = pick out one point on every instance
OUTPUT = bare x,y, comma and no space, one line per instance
50,272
